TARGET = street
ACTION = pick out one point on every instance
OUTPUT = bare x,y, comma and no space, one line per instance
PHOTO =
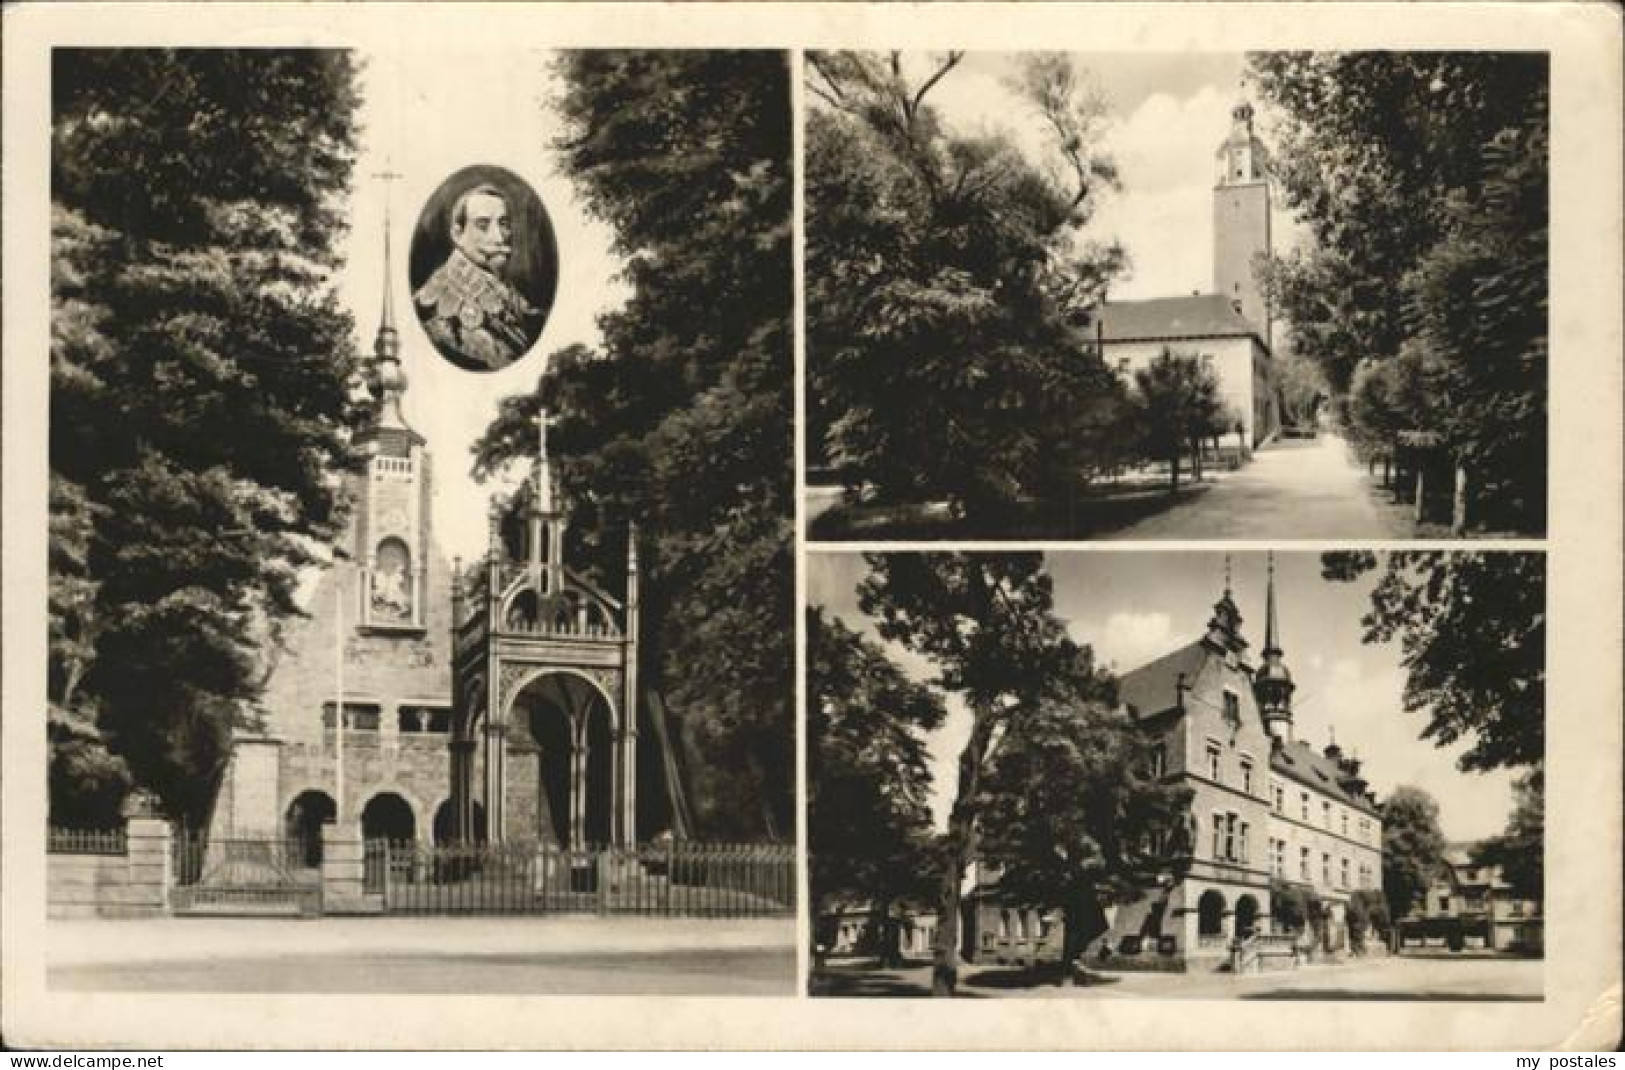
1292,489
518,955
1437,977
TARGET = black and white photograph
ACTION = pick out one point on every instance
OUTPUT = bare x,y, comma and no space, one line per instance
480,313
711,527
1262,295
341,632
1177,775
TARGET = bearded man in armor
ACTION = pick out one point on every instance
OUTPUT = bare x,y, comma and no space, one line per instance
470,310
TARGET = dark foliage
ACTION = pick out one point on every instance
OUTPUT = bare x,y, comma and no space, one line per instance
201,397
682,421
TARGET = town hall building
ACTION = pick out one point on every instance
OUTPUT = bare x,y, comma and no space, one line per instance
1266,807
1230,328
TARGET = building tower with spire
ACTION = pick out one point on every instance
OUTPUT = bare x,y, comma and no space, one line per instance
1241,220
1230,326
373,654
1272,684
1266,813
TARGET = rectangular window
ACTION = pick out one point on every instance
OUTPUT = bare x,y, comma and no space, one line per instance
1218,835
1343,873
1444,904
1280,800
358,716
1345,818
1213,763
1230,837
1303,805
1326,814
1325,868
1280,858
1246,776
1159,761
1303,863
1242,844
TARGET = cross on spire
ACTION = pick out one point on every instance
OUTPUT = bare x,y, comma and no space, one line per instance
544,467
387,320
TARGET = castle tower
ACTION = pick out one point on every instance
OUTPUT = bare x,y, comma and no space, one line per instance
1273,685
1241,219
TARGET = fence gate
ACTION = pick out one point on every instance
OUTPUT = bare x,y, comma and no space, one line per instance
245,876
671,879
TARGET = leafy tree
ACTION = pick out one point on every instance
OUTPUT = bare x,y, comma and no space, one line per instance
1412,848
987,621
948,283
1423,177
1367,912
868,785
1302,385
202,376
1520,850
1472,634
1071,815
681,421
1289,906
1179,406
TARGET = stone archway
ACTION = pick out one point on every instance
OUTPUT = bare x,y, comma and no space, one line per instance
1210,915
387,816
443,827
1246,915
302,825
571,722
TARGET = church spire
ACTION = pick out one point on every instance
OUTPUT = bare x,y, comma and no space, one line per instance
1273,684
387,375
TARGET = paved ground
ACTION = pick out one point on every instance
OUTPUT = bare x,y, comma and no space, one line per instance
583,956
1293,489
1440,977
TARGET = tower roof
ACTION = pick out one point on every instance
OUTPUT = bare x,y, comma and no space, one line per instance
386,374
1273,668
1224,629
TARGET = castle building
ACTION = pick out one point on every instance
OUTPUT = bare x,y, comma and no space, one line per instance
1266,809
1231,327
417,702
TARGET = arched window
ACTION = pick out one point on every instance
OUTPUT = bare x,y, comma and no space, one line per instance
392,582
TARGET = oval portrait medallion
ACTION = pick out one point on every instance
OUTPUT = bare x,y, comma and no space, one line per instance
484,268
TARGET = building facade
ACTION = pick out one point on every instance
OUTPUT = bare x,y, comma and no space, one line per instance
1230,328
419,701
1469,906
1266,809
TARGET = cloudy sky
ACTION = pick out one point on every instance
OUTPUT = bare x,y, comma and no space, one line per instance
1166,114
1133,606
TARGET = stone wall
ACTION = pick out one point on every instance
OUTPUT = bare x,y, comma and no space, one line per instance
132,885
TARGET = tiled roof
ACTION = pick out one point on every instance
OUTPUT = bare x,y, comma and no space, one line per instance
1196,316
1300,762
1152,687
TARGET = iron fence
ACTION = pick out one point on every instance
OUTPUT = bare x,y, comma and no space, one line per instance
259,875
86,842
676,879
